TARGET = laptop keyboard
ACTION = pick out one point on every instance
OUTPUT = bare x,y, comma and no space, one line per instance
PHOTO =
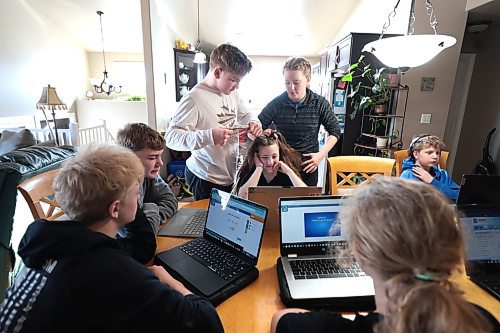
196,225
218,260
322,269
492,284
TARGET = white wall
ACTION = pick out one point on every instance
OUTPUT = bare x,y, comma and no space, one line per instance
166,26
116,113
35,53
265,81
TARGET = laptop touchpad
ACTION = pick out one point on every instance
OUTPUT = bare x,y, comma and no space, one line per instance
198,275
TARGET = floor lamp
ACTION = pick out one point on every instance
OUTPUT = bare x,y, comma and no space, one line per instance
50,101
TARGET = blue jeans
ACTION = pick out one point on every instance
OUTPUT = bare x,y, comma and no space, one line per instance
201,188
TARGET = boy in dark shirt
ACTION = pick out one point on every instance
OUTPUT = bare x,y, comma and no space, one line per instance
80,278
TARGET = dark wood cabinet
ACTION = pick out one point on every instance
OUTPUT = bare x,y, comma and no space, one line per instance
335,63
187,73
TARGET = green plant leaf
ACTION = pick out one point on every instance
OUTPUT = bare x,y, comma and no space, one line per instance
347,78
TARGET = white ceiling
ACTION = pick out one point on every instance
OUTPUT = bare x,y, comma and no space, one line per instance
259,27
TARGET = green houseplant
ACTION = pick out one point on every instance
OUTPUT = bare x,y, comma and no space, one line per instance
372,90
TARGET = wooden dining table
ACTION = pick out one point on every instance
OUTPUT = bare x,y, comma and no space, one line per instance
251,309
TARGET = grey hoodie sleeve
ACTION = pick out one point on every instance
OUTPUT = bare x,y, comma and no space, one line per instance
158,192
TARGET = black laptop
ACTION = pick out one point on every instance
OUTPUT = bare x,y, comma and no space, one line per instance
224,260
481,231
479,190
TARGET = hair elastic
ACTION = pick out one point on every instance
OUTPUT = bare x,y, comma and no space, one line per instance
426,276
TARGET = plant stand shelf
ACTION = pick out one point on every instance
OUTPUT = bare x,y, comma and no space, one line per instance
388,126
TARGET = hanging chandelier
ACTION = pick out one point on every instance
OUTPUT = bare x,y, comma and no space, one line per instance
199,57
405,52
104,86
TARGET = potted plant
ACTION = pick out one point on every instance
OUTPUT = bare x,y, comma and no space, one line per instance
372,90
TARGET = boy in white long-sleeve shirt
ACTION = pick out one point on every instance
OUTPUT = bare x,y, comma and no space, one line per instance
207,120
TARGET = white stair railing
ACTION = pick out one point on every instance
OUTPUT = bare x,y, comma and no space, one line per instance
84,136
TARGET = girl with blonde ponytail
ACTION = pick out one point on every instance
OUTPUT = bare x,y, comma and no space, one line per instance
405,235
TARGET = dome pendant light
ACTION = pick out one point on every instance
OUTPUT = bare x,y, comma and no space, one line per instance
405,52
199,57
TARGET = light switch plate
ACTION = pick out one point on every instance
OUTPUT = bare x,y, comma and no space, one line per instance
425,118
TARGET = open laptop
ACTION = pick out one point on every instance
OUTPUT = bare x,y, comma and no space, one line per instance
479,190
223,261
186,222
481,232
269,196
310,231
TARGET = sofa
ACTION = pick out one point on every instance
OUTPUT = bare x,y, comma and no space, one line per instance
17,166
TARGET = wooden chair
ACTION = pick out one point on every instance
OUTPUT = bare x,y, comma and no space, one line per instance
38,190
346,168
400,155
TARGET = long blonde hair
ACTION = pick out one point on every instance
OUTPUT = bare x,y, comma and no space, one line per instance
408,233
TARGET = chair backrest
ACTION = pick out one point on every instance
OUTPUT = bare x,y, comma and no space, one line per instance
443,158
38,190
400,155
345,170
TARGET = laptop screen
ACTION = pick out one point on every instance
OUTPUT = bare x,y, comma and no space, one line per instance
236,223
481,232
310,224
479,190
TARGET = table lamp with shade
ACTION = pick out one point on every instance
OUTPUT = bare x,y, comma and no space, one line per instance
50,101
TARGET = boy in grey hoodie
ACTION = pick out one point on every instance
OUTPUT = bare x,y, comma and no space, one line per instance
157,200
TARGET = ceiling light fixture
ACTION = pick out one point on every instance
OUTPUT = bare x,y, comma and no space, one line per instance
104,86
411,50
199,57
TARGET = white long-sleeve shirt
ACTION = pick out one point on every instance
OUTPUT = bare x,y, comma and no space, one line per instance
190,129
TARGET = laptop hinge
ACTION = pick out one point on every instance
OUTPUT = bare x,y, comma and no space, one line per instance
292,256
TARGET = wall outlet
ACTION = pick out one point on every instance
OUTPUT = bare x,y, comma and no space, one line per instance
425,118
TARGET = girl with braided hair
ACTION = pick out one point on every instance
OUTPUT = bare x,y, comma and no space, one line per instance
269,161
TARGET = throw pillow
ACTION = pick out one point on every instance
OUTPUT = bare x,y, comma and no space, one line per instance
49,143
11,140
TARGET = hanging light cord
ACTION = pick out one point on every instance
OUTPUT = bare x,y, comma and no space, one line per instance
432,17
389,17
102,39
198,43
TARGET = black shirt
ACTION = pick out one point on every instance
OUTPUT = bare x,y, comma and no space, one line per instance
281,179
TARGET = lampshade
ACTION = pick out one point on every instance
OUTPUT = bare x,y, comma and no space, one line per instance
409,51
49,98
200,58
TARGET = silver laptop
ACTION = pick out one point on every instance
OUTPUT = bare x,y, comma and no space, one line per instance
187,222
309,230
269,197
481,232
